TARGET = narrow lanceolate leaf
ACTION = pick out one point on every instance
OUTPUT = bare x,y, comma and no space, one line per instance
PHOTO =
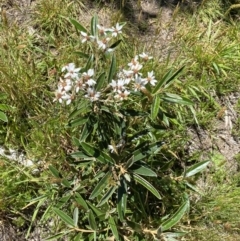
112,70
144,171
147,185
94,23
176,217
3,117
122,200
155,107
80,201
81,54
113,227
89,62
78,122
100,81
196,168
75,216
107,195
91,220
94,152
134,226
100,186
173,98
166,80
68,220
144,152
96,210
55,172
77,25
114,45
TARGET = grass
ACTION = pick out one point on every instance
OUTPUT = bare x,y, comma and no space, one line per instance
206,42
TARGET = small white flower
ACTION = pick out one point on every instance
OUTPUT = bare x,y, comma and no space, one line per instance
87,75
92,94
122,95
102,44
64,85
135,68
118,85
72,72
133,62
151,78
61,96
128,75
91,82
145,57
111,148
101,30
139,83
86,37
116,30
79,85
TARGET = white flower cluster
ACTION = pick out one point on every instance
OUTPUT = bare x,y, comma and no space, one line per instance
73,82
103,37
132,78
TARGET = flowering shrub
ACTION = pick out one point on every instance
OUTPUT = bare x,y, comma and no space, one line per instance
119,179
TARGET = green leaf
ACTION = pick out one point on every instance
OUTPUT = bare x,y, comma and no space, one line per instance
81,54
94,23
68,220
135,226
122,200
91,220
173,98
80,201
113,227
112,70
77,25
147,185
83,108
196,168
100,81
176,217
89,62
3,117
166,80
78,122
57,236
107,195
79,154
55,172
155,107
144,152
100,186
96,210
5,107
63,200
75,216
144,171
114,45
94,152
